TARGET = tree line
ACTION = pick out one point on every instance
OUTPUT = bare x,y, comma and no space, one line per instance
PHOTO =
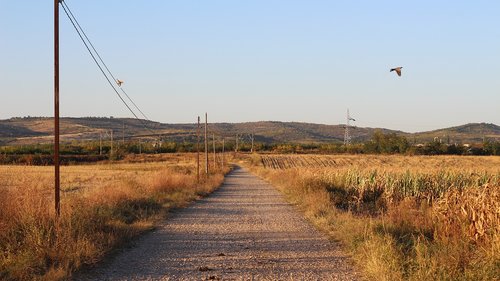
379,143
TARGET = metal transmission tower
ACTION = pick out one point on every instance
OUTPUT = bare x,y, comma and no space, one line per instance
347,136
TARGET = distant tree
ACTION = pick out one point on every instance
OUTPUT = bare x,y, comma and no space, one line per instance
435,147
386,143
491,147
455,149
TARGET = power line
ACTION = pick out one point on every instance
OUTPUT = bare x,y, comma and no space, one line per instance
76,25
102,61
95,60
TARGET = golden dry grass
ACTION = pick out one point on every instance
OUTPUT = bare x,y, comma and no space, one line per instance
402,218
102,206
382,162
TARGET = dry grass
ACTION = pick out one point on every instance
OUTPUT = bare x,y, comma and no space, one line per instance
382,162
402,218
102,206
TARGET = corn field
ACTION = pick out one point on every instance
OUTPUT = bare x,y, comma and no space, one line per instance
437,216
384,162
461,189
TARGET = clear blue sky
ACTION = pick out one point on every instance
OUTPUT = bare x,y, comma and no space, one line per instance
258,60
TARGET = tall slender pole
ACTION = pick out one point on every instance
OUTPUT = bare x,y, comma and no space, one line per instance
215,159
159,144
198,150
251,150
56,109
206,144
223,148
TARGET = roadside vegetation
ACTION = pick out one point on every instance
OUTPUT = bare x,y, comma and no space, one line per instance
94,151
401,217
381,143
102,207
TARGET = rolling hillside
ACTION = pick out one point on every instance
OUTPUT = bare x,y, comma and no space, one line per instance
468,133
39,130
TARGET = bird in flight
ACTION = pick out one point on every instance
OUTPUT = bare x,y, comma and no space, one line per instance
119,82
397,69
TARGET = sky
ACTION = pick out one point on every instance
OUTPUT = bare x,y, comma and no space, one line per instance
259,60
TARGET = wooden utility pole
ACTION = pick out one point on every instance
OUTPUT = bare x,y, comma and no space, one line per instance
215,159
56,110
251,150
206,144
223,148
198,150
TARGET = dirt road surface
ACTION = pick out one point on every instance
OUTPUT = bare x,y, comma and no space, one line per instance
243,231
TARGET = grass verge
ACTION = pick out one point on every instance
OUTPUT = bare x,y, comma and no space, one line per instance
93,221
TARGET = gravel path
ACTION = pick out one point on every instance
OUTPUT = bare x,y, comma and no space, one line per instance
243,231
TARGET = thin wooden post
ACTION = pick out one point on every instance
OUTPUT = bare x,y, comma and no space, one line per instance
223,150
198,151
251,150
215,158
57,182
206,145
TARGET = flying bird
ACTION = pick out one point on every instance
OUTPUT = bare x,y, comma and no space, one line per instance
397,69
119,82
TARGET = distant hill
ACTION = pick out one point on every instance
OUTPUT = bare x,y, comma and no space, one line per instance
468,133
40,130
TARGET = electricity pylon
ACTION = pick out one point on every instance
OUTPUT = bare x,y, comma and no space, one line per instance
347,136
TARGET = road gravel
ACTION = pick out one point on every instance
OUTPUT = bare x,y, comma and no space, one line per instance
243,231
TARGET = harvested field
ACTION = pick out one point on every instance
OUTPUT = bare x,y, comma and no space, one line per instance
102,206
77,177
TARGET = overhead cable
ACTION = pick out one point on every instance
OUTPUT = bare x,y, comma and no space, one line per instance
102,61
82,36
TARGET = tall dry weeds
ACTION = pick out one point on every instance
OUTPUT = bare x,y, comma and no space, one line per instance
437,221
93,220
